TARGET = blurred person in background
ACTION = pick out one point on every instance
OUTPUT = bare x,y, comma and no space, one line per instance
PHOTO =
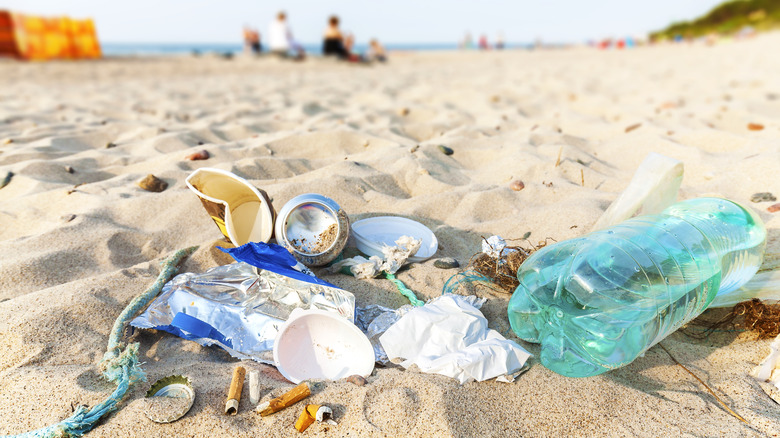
483,42
376,52
280,38
333,41
252,41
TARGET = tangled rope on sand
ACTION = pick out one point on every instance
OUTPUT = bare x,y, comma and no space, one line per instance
120,363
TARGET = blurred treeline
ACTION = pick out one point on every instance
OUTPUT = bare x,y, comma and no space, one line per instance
728,18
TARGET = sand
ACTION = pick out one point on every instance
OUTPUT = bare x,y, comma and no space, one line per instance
77,247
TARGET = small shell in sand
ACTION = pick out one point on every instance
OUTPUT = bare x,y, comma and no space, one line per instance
200,155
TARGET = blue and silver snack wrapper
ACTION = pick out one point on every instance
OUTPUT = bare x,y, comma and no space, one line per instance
240,307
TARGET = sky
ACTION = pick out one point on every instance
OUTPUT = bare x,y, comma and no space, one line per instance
397,21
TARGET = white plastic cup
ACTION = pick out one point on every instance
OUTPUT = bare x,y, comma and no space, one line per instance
315,344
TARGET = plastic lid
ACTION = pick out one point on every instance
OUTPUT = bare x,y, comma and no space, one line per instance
372,233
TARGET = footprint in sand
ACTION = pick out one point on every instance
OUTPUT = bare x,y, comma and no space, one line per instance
393,410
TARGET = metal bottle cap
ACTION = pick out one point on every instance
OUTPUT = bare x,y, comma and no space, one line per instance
169,399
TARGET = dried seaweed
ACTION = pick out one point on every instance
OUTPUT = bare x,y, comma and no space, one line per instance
756,316
502,271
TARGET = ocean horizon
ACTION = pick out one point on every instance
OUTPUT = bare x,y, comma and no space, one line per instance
156,49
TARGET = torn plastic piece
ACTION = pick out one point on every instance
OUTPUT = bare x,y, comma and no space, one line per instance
322,414
396,256
765,371
457,342
509,378
358,266
653,187
764,285
242,212
493,246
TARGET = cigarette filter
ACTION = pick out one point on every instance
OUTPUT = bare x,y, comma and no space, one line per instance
254,386
287,399
234,393
311,413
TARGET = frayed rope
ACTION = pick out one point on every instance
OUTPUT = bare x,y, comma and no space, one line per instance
119,365
405,291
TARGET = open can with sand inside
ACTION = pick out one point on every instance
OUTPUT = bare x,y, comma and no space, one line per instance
313,228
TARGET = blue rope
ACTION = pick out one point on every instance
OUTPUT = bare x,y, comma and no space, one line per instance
465,278
119,364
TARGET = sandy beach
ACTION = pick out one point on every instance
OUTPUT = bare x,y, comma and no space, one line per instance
77,247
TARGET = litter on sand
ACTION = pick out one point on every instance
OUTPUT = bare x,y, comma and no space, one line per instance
450,336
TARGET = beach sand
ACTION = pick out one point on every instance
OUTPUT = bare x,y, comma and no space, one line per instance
77,247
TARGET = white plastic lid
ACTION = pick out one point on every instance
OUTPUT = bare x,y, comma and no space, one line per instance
372,233
315,344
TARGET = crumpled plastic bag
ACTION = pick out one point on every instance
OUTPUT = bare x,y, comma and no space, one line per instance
450,336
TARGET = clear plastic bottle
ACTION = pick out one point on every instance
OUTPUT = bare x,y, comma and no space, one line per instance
597,302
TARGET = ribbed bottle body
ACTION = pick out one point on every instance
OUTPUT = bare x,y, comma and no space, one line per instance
597,302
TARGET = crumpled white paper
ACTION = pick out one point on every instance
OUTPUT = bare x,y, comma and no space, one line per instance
450,336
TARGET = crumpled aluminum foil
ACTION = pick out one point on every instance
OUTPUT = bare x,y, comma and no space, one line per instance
238,307
374,320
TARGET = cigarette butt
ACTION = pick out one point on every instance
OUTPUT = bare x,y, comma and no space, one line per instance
306,418
322,414
310,413
234,393
254,386
287,399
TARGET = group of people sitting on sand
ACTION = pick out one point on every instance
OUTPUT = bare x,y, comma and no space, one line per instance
334,44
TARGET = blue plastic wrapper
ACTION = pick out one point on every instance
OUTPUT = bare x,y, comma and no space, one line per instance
241,306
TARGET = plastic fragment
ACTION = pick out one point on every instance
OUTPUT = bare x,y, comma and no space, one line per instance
653,188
